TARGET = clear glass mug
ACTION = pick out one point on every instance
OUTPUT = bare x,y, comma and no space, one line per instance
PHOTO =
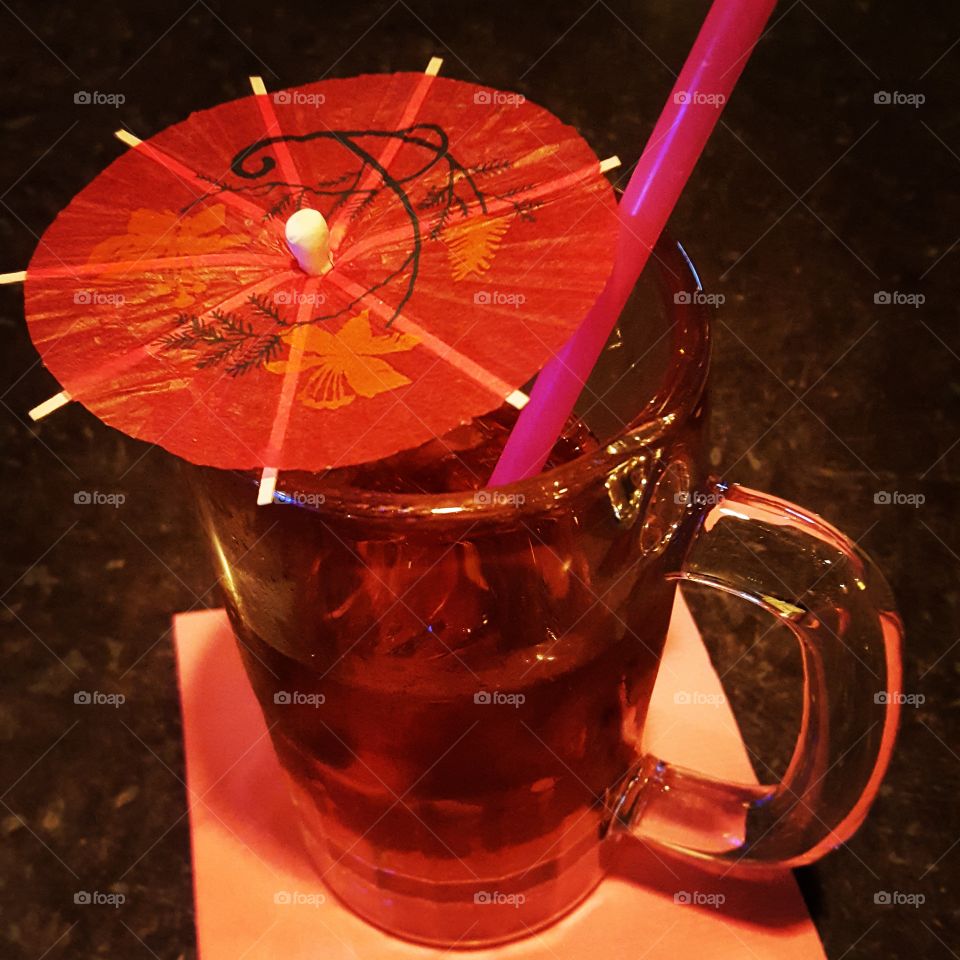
456,684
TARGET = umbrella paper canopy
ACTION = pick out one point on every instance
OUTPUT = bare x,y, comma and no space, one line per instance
469,233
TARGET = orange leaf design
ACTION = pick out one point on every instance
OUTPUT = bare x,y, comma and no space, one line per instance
164,233
471,245
345,365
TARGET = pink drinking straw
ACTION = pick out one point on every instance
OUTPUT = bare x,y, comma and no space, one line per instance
721,50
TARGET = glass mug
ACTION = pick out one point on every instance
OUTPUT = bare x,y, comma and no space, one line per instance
456,683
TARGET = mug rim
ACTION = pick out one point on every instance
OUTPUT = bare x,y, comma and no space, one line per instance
681,389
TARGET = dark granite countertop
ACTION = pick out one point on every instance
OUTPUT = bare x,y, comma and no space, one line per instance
810,199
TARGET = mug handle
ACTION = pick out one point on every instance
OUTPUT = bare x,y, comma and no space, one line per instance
829,593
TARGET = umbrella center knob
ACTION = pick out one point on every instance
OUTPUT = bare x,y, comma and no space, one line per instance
309,240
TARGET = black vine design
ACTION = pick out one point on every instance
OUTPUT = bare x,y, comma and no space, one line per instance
240,342
228,339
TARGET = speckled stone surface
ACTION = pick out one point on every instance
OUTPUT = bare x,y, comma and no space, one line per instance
810,199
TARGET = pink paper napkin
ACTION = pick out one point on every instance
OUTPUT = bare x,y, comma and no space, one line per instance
257,898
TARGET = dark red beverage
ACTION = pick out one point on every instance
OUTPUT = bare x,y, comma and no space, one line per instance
453,697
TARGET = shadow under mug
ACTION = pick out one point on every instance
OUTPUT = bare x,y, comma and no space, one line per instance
456,684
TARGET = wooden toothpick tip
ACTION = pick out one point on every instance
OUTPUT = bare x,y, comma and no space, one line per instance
48,406
518,399
268,486
611,163
258,86
18,277
128,138
433,67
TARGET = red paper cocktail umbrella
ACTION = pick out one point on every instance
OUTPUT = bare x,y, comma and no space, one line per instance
460,235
